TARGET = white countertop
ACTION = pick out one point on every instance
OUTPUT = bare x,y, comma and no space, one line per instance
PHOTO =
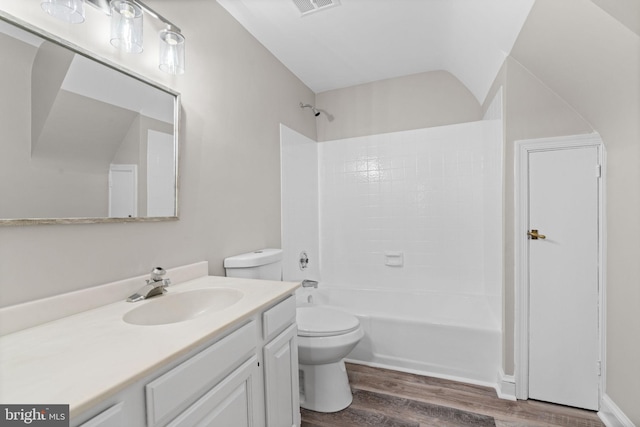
84,358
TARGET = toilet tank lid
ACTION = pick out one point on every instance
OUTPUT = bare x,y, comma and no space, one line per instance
254,259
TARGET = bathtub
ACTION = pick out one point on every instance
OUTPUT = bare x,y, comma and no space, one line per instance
430,333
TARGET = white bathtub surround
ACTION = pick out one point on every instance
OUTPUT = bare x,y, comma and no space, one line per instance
410,241
22,316
300,210
433,194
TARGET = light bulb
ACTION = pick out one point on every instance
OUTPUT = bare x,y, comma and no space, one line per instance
171,59
126,26
71,11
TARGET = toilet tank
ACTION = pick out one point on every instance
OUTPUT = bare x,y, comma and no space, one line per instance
261,264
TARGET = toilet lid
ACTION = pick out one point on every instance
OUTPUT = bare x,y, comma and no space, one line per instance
324,322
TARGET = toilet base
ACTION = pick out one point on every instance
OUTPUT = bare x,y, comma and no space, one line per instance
325,388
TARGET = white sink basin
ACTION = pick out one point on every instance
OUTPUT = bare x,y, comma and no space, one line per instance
181,306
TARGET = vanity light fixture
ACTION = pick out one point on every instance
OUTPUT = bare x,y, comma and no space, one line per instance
71,11
126,27
171,51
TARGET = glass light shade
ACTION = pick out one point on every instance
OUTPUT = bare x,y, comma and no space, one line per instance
171,52
71,11
126,26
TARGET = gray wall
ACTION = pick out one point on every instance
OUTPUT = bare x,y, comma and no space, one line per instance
416,101
532,110
133,150
234,95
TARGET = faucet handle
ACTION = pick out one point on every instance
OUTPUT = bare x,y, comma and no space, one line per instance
157,274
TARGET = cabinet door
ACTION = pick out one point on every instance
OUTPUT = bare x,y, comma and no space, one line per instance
112,417
282,397
230,403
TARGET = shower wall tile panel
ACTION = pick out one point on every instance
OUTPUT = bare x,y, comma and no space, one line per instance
433,194
300,210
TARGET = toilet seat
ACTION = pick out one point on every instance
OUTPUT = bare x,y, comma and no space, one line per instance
324,322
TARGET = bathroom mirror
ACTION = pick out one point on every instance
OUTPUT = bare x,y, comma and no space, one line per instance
82,140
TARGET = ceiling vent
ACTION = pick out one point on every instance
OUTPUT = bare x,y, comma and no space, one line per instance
310,6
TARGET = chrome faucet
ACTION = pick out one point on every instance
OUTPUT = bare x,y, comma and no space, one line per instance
156,285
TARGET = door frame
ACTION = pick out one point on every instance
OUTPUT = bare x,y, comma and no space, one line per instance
521,249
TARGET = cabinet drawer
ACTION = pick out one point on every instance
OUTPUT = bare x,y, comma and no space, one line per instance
178,388
112,417
229,403
277,318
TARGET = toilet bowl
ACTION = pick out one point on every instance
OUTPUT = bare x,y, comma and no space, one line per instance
325,337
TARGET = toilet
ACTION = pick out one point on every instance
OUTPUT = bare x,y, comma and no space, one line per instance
325,337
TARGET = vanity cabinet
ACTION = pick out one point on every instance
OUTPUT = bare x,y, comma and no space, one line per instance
209,379
281,380
282,398
245,377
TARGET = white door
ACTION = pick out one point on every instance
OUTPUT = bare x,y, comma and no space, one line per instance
564,275
123,191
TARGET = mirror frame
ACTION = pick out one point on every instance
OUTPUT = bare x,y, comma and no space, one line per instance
12,20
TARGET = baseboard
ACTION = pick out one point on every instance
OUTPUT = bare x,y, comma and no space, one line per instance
506,386
611,415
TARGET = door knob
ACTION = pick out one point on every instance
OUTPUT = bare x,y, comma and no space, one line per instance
533,234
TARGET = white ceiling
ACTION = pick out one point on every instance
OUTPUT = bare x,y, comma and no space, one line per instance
362,41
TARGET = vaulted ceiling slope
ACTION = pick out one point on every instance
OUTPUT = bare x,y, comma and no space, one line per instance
360,41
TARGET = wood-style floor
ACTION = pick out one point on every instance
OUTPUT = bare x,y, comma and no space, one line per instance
385,398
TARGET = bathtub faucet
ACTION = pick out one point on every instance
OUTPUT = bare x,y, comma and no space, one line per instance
156,285
309,284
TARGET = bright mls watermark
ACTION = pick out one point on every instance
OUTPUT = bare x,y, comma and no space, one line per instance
34,415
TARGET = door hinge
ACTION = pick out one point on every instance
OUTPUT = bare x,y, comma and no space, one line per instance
599,366
598,171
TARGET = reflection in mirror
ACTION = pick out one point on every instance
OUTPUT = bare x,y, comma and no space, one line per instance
81,141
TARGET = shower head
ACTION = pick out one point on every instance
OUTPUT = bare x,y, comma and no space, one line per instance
314,109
